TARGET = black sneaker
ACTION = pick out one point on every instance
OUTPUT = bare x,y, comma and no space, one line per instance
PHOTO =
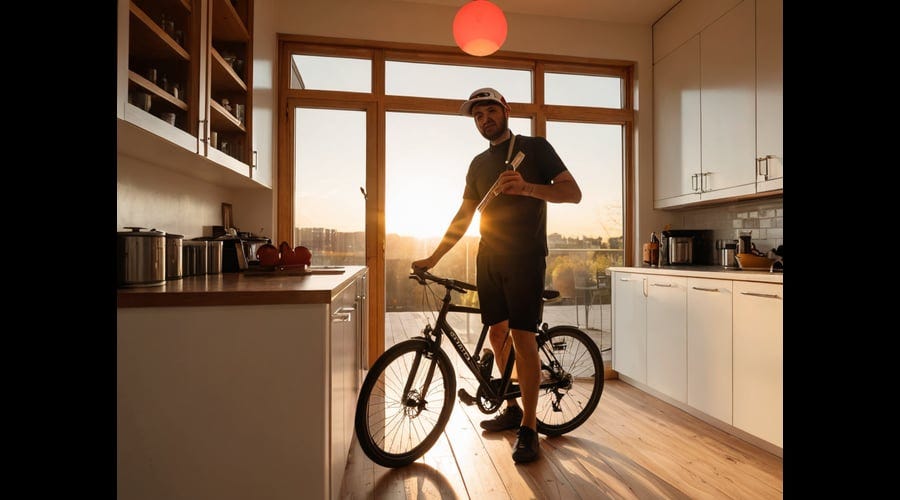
509,418
527,447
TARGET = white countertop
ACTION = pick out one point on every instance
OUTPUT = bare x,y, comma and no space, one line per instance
713,272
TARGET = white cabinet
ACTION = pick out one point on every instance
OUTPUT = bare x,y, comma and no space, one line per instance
769,95
676,152
759,359
718,135
712,346
728,104
346,322
667,335
629,297
709,346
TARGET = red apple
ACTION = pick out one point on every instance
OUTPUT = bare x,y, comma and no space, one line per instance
303,255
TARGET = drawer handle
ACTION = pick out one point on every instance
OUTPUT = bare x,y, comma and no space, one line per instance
705,289
664,285
763,295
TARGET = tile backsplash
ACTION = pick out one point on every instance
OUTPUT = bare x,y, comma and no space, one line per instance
765,218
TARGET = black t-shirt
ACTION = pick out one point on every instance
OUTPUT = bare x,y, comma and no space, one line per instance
513,224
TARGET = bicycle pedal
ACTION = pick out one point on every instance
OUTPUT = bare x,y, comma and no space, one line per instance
465,397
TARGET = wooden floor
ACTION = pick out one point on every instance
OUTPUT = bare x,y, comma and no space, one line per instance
633,446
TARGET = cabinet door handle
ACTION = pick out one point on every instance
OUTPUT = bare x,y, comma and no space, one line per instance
664,285
343,314
705,289
694,182
646,291
255,157
624,279
759,161
767,158
704,182
763,295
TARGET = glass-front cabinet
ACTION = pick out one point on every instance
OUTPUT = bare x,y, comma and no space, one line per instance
185,75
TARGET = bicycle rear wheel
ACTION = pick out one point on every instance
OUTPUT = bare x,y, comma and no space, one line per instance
398,419
575,361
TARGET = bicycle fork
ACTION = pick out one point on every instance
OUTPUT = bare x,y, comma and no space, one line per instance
414,399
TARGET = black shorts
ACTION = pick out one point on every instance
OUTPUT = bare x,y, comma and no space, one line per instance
510,287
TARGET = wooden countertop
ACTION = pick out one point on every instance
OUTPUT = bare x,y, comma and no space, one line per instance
714,272
229,289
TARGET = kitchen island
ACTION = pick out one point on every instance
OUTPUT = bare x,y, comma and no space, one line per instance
238,386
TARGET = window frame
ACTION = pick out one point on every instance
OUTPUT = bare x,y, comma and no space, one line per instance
378,105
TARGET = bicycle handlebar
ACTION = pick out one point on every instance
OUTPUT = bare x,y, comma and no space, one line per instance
421,275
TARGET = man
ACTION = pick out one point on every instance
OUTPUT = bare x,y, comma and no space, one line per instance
516,177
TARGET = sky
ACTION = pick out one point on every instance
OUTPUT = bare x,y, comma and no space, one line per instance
427,155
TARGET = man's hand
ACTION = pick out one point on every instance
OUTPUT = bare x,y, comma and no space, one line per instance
511,182
424,264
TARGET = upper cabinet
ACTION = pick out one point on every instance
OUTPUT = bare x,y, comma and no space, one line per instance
715,136
769,94
229,85
185,89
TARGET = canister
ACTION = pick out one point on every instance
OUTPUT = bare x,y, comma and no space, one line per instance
173,256
194,257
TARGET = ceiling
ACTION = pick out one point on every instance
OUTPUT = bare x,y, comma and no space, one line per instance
613,11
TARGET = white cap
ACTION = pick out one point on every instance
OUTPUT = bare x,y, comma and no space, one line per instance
481,95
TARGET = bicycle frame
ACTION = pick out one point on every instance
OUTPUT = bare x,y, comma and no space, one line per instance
506,389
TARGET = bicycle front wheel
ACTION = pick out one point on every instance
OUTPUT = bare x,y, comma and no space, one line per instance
405,403
573,359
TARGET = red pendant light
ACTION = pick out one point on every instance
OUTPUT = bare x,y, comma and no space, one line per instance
479,28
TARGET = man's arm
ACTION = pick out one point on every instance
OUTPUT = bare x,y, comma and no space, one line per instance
457,229
563,189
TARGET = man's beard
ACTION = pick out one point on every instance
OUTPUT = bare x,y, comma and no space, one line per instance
499,131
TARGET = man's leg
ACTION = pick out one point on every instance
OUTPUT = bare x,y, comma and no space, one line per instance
528,366
501,342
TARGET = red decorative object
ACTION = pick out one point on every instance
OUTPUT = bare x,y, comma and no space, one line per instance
479,28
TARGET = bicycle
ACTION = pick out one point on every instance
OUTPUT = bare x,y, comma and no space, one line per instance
407,397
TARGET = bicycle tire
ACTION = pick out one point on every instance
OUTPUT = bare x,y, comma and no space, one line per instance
394,429
579,356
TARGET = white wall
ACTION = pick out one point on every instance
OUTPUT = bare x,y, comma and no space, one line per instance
398,21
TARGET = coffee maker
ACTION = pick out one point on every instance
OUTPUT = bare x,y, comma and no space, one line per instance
687,247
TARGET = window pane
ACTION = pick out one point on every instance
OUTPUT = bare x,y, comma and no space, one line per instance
583,90
331,73
330,167
427,157
454,82
586,238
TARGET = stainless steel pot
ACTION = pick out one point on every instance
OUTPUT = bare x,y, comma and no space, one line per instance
141,257
173,256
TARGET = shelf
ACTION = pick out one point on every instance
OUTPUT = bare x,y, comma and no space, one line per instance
150,145
156,90
226,23
222,120
148,40
223,75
